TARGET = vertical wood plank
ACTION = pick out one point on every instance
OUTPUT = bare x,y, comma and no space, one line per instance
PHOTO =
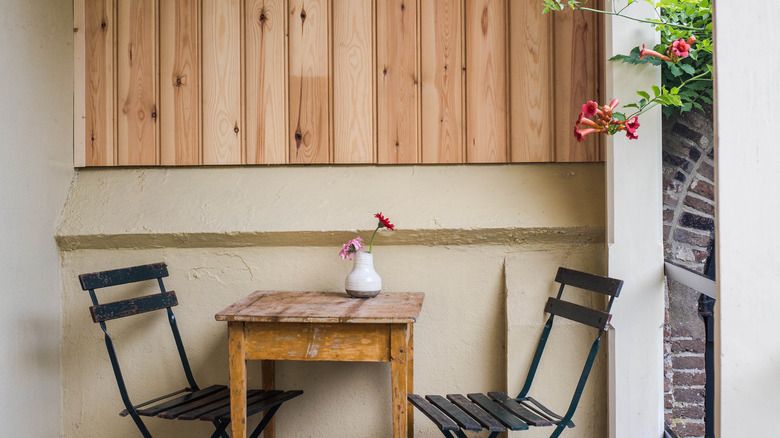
486,81
221,48
179,82
99,105
237,371
353,81
530,78
266,103
442,81
577,81
309,81
410,379
397,81
137,86
79,84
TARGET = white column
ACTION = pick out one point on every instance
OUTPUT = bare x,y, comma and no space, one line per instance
747,320
635,245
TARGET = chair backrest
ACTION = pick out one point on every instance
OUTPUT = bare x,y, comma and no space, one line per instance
133,306
599,319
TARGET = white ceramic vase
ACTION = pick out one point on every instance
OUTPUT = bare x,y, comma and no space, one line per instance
363,281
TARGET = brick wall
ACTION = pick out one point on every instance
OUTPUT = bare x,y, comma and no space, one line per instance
689,224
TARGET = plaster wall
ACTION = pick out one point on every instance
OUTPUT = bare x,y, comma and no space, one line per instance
227,232
747,356
35,172
635,242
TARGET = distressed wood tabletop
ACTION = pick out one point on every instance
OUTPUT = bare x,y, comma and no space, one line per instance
324,307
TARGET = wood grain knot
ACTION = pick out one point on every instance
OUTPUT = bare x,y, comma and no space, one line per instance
303,15
263,18
484,21
103,25
178,81
403,6
235,128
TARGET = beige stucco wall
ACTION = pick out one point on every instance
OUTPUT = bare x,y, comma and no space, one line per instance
226,232
36,120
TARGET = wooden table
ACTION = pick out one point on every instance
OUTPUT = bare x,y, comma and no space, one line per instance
325,326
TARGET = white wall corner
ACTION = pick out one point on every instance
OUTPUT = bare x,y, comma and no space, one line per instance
635,246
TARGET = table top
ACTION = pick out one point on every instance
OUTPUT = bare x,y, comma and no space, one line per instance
324,307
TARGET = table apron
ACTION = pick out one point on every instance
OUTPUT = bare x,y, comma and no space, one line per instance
355,342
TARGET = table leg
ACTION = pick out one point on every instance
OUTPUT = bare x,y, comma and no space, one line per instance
410,382
237,365
269,384
399,348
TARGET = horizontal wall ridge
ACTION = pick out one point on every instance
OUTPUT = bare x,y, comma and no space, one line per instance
546,236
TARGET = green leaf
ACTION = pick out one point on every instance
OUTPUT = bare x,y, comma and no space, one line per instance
619,116
644,94
631,105
675,70
656,91
688,69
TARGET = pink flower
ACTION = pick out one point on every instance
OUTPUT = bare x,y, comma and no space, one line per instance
647,52
680,48
590,109
631,135
351,247
579,135
613,104
632,124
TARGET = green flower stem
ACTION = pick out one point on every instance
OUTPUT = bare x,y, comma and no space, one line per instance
654,102
654,22
371,245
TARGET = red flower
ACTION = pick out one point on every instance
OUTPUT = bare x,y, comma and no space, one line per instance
590,109
631,135
579,135
646,52
632,124
384,222
680,48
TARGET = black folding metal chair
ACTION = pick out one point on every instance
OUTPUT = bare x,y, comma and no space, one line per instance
191,403
496,411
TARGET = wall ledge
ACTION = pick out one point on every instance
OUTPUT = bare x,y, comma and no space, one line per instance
429,237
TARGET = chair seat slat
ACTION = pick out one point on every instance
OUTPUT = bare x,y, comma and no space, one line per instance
519,410
482,417
133,306
498,411
259,405
213,401
575,312
438,417
460,417
115,277
219,409
197,395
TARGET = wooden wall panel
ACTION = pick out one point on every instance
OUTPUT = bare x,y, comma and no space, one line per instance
397,81
219,82
266,79
577,79
180,82
99,87
443,76
353,82
486,81
137,68
309,130
530,77
222,105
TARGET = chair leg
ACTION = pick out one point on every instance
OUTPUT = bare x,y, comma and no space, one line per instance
558,430
264,422
220,432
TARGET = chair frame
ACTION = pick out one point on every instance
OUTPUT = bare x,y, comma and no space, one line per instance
457,413
134,306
